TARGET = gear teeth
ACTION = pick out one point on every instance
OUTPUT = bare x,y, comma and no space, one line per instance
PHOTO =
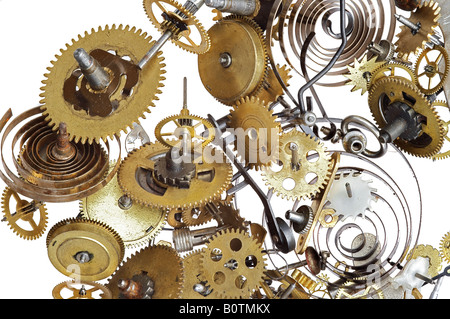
444,247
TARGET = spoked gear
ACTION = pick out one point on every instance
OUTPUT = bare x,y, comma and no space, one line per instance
444,247
236,64
179,21
272,88
94,115
394,68
136,178
162,268
233,264
386,92
90,248
256,131
80,290
361,73
429,72
350,195
136,224
409,42
305,167
22,219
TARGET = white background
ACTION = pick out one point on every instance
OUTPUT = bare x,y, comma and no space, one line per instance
32,32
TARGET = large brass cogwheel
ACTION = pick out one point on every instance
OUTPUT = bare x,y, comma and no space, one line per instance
427,14
199,44
236,64
305,167
67,96
161,264
135,176
256,131
396,89
87,248
136,225
233,264
444,247
22,220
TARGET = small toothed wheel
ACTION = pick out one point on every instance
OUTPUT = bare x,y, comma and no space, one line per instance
80,290
444,248
431,69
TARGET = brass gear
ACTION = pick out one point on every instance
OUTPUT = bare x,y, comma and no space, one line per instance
236,64
233,264
300,174
178,15
128,101
427,14
371,290
445,151
272,88
395,68
90,248
185,123
361,73
135,225
191,263
255,127
25,212
160,263
429,252
78,290
213,176
444,247
397,89
428,68
196,216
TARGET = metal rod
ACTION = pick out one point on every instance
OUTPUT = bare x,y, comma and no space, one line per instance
155,48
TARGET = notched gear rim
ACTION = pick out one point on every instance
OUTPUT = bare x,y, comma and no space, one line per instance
81,127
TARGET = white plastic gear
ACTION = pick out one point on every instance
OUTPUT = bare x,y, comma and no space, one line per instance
353,201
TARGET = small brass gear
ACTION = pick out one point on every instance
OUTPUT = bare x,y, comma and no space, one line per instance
89,248
272,88
195,288
196,216
236,65
430,74
136,178
24,213
428,251
160,263
396,89
233,264
444,247
445,151
179,21
80,290
256,131
306,167
361,73
127,96
427,14
136,225
394,68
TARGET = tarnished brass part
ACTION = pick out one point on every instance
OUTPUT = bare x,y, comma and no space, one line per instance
240,42
303,280
226,215
159,262
361,73
272,88
286,281
429,68
256,130
182,38
305,186
174,218
429,252
416,293
25,212
90,249
192,277
444,247
317,206
81,290
391,69
232,263
258,232
135,225
407,5
444,153
427,14
396,89
135,177
96,115
346,292
196,216
328,218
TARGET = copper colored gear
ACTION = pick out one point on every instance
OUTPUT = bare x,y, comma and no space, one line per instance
213,176
272,88
233,264
309,175
160,263
396,89
128,96
236,64
256,131
427,14
444,247
24,212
